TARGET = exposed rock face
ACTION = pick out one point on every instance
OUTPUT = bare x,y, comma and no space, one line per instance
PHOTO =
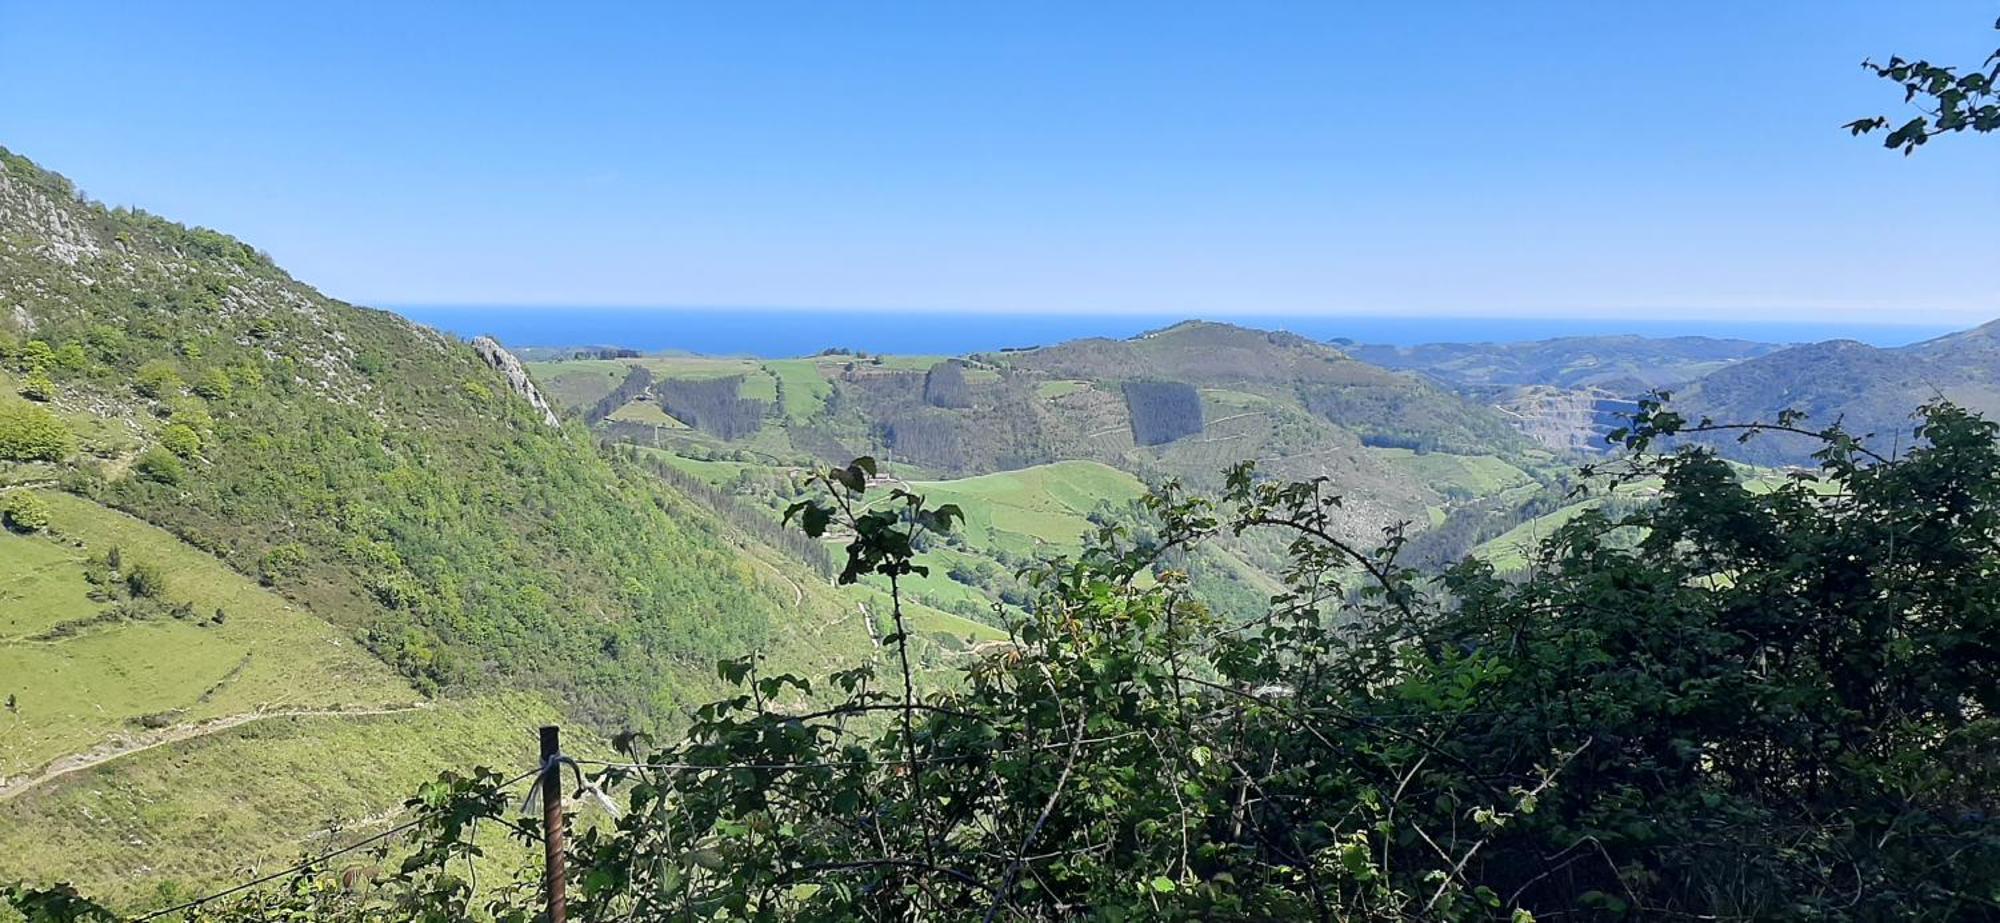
1565,419
517,376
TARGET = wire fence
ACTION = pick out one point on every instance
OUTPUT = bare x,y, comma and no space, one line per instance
554,764
308,864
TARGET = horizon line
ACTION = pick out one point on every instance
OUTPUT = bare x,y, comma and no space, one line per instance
1668,315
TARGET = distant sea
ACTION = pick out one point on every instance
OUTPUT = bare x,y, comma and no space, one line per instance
778,333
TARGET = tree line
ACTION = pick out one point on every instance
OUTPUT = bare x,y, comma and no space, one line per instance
638,380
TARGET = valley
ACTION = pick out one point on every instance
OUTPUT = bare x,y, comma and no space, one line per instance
271,559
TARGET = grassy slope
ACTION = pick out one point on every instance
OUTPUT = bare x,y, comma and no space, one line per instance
579,383
806,389
1472,475
1046,504
132,825
648,412
438,519
436,516
79,691
210,796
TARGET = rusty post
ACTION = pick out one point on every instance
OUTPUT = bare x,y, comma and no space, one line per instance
552,824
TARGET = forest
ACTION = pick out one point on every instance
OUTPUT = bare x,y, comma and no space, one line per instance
712,405
1162,411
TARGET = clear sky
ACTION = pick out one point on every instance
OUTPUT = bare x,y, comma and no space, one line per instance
1541,159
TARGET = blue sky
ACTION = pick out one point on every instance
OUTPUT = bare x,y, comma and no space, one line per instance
1536,159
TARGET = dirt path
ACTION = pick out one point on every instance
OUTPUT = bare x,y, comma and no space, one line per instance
798,592
868,622
1239,416
139,743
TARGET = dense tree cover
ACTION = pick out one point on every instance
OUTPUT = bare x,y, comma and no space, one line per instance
945,385
1730,704
387,469
1404,418
742,519
928,438
712,406
1162,411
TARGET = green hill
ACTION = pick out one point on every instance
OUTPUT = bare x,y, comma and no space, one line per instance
1624,365
88,661
376,471
1870,390
297,549
1185,402
1047,505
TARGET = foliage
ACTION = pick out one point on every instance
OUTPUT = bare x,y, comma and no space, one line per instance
38,386
34,354
180,439
145,580
22,511
1952,102
159,379
161,466
1162,411
945,386
30,433
1774,704
215,385
712,405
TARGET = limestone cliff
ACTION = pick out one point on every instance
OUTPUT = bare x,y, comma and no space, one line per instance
507,365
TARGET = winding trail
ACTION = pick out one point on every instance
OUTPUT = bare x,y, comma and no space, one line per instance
798,592
140,743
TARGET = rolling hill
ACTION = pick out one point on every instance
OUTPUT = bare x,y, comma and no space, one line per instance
1040,445
267,547
1623,364
1869,390
1566,392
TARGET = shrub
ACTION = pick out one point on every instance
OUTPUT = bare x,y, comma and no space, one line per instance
159,380
29,433
246,375
145,580
181,439
161,466
71,357
107,342
22,511
191,412
281,562
215,385
35,354
38,386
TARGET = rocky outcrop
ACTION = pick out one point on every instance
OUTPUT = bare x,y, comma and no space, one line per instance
500,359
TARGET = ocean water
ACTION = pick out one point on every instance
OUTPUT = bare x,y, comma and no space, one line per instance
778,333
